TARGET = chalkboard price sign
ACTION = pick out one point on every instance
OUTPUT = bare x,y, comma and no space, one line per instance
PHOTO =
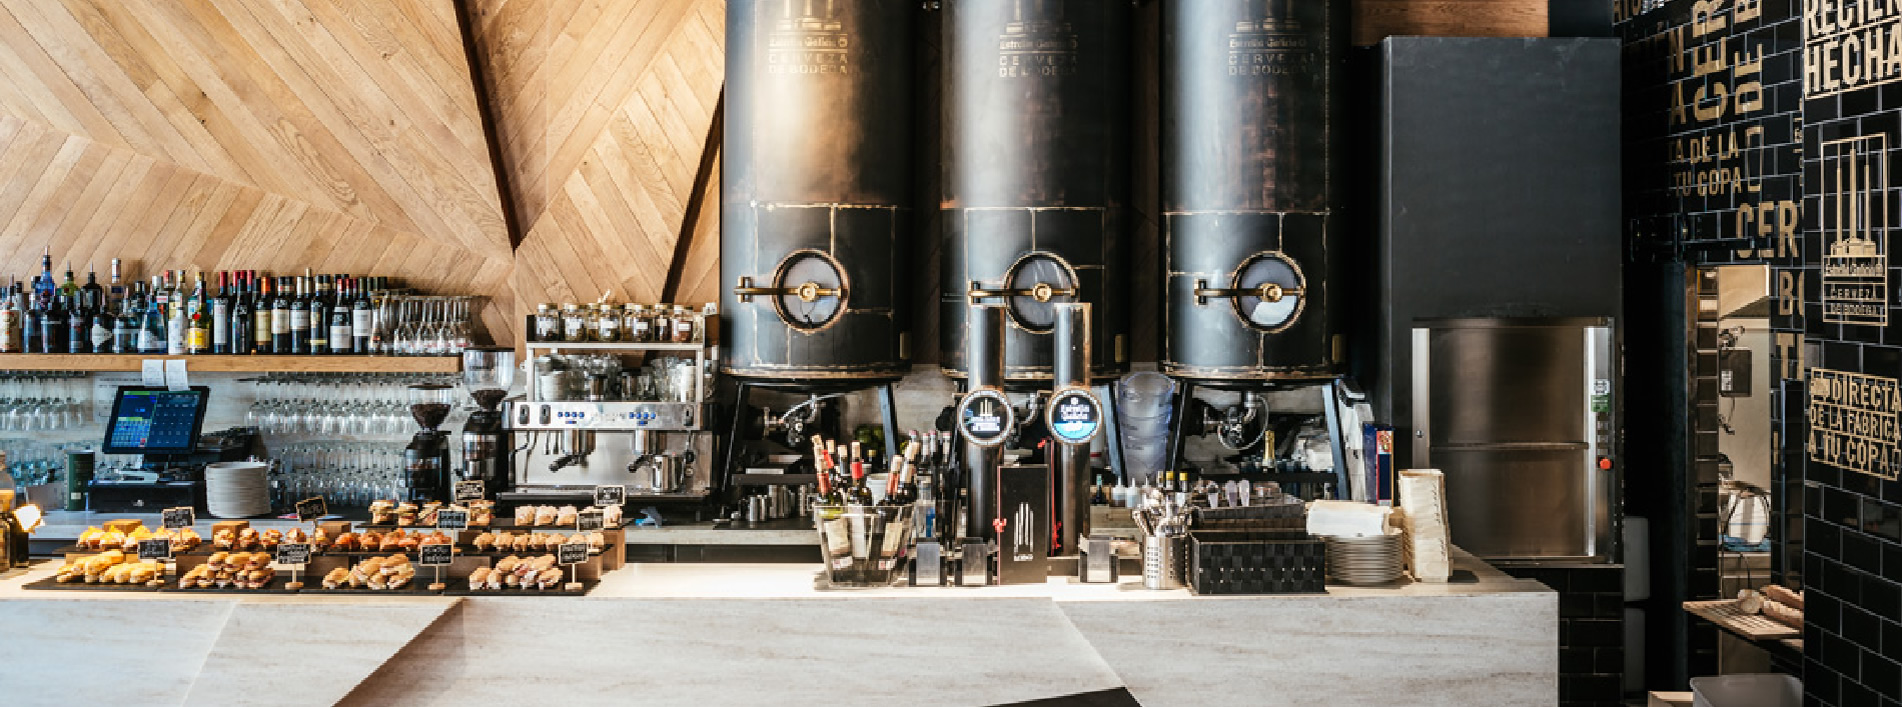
452,520
470,490
180,517
571,553
591,519
293,553
435,554
610,495
155,549
312,508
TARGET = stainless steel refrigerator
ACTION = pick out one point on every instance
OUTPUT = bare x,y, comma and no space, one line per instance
1521,416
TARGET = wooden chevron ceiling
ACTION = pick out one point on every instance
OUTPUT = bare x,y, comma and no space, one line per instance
347,135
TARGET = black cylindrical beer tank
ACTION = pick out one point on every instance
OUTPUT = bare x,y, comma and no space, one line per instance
1036,147
815,189
1251,121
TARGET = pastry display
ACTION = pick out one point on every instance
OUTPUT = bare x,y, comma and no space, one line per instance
89,568
376,573
566,515
516,573
481,514
505,541
382,512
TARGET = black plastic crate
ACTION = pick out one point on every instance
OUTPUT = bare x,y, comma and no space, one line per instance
1256,562
1286,516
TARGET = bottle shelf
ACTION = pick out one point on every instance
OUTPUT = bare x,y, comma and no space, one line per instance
614,346
243,364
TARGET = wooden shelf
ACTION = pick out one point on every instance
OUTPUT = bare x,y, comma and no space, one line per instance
244,364
1751,627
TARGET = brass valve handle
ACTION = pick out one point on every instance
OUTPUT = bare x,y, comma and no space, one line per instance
1268,291
1042,292
807,292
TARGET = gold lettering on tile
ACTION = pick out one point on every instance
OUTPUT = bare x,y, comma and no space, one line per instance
1853,422
1855,225
1850,45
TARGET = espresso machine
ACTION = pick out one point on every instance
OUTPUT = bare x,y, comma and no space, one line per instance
566,440
487,372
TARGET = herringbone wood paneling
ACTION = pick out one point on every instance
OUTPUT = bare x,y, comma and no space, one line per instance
603,110
339,135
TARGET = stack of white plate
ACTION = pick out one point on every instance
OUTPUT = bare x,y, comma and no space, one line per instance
237,489
1364,559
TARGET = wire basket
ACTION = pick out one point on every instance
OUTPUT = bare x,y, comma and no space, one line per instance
863,546
1281,516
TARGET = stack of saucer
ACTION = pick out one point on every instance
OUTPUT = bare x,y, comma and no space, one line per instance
1364,559
237,489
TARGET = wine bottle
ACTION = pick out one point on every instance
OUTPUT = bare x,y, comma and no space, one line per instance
859,494
262,318
319,306
362,318
221,315
281,318
341,337
241,324
300,316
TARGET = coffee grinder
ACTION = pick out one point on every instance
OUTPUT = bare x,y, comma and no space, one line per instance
487,371
426,459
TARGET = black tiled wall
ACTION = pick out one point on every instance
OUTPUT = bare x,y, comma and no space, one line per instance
1840,539
1591,632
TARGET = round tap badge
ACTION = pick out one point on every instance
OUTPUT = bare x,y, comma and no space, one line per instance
985,417
1074,416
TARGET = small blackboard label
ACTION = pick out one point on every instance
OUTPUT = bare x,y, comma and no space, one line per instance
312,509
180,517
452,520
293,553
470,490
610,495
591,519
572,553
435,554
155,549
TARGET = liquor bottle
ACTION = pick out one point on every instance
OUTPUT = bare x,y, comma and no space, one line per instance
341,337
53,328
221,315
78,325
33,321
115,286
263,317
43,286
177,316
125,330
198,318
91,295
152,335
319,306
100,325
69,288
241,322
1096,495
362,319
10,320
281,318
858,494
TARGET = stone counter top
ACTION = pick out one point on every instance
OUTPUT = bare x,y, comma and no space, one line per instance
761,634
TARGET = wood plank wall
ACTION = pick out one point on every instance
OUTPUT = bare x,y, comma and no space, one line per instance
346,135
339,135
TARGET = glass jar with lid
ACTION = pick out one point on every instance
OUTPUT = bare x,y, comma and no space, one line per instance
547,323
684,328
607,323
574,323
635,322
662,322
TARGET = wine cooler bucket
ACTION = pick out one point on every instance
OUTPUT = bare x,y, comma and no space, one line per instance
863,546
